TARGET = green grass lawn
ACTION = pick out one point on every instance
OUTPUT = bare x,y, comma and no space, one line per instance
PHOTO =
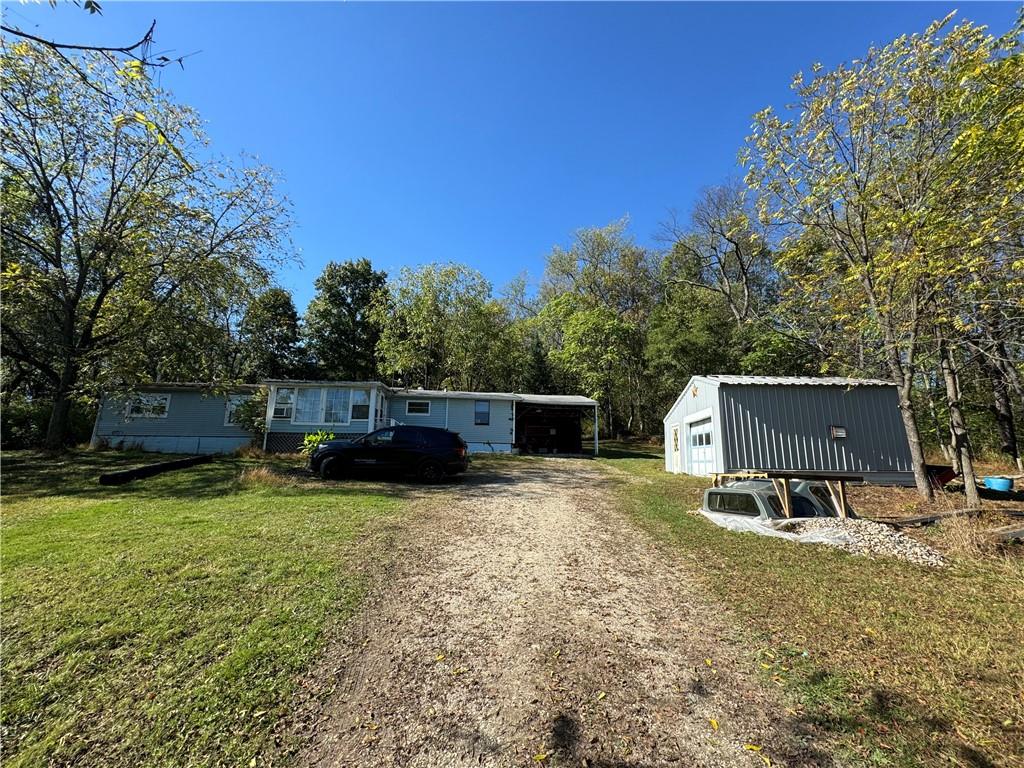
165,622
895,664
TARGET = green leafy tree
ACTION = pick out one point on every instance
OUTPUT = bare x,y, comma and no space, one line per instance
270,338
593,342
612,289
692,332
440,326
339,329
112,220
856,173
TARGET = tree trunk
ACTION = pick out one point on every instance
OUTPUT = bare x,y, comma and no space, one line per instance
937,424
1002,410
960,439
924,487
902,372
57,429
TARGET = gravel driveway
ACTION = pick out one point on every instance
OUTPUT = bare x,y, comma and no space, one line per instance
524,621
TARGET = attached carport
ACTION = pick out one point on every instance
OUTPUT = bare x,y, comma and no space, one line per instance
553,424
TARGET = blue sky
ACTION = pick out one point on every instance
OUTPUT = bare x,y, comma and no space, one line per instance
486,133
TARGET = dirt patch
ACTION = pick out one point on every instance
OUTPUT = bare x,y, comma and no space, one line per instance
890,501
954,536
524,621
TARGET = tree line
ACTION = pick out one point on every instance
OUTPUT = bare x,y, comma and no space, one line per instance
875,228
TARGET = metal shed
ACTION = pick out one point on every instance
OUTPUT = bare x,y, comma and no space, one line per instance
722,424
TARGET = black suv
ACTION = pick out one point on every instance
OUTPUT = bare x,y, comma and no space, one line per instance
431,453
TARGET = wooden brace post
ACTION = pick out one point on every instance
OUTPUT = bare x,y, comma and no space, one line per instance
782,491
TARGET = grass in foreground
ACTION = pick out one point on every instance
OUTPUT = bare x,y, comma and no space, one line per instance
897,664
165,622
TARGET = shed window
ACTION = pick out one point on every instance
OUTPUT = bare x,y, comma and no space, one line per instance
482,413
284,402
307,406
336,402
418,408
148,407
360,404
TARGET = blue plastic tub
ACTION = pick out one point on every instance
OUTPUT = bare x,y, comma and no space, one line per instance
998,483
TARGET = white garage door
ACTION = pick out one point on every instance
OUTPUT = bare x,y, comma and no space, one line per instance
702,456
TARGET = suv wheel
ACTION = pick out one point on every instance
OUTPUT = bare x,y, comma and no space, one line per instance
431,471
331,468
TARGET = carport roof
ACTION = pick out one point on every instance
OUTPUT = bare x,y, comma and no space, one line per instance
578,400
557,400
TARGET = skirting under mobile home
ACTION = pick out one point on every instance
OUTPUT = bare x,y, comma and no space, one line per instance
722,424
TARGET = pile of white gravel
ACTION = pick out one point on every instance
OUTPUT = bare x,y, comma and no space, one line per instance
871,538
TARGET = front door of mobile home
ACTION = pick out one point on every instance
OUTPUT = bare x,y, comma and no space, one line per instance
702,456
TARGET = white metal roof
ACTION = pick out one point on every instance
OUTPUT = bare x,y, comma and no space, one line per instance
158,386
520,398
828,381
454,394
323,383
736,380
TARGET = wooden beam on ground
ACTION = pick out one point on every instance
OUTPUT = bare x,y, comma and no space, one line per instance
920,520
127,475
1006,533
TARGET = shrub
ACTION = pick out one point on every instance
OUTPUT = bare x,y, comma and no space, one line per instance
25,420
252,413
250,452
263,477
311,441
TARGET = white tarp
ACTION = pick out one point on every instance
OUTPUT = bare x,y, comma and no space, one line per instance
743,524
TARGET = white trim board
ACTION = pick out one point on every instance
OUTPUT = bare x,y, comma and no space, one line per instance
418,413
707,413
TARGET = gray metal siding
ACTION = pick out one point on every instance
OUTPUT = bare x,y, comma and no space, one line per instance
194,424
787,427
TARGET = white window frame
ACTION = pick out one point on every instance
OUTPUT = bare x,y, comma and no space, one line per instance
147,396
323,407
273,405
321,412
231,404
352,404
320,407
475,422
410,402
